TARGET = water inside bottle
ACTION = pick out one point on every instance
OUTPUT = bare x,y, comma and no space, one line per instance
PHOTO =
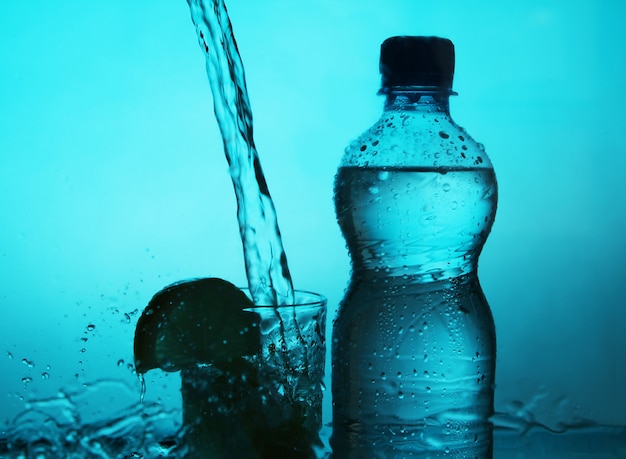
414,221
414,323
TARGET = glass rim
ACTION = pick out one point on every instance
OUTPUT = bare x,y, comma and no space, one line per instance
311,299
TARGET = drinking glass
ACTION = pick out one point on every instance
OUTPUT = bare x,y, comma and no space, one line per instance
269,405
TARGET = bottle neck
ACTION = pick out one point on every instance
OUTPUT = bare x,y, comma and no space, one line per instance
435,102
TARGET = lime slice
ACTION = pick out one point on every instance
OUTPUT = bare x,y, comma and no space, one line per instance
195,322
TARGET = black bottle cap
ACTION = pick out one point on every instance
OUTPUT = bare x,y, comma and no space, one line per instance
417,61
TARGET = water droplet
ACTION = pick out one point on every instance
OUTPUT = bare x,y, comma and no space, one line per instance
27,380
91,327
383,175
9,355
45,375
373,190
142,393
383,376
28,363
400,395
446,187
120,363
444,135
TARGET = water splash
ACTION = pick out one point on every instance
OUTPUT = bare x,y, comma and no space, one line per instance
82,422
101,420
266,263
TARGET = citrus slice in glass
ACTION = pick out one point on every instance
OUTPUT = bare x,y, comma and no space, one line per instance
199,321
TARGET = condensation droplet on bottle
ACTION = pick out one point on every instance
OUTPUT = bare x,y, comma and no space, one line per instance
383,175
373,190
91,327
444,135
446,187
28,363
45,375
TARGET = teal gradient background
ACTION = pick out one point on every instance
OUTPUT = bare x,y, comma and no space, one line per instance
113,182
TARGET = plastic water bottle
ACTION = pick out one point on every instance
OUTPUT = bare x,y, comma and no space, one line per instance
414,340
